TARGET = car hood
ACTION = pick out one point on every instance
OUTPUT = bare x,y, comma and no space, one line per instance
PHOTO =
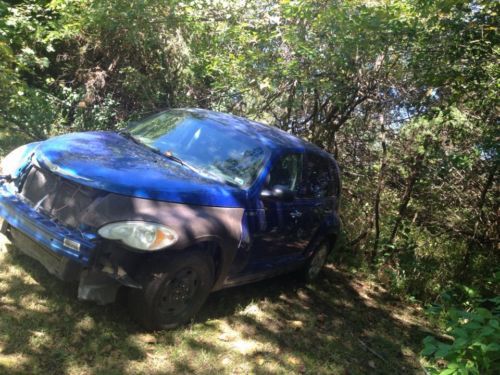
111,162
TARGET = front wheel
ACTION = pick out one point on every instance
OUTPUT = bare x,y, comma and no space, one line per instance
173,291
6,231
4,226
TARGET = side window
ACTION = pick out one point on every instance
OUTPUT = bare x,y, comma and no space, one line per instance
317,181
286,172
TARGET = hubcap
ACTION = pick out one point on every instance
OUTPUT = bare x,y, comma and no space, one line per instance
318,261
178,292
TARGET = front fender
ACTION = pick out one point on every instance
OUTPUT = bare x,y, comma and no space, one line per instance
14,163
193,224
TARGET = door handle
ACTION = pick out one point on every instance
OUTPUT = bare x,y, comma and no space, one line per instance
295,214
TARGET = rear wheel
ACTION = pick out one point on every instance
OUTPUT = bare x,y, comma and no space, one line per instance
315,264
173,291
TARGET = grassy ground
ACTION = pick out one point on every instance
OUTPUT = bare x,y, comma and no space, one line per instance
340,325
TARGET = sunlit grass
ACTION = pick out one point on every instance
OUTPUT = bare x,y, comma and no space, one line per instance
278,326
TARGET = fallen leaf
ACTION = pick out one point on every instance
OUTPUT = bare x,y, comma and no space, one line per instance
293,360
297,324
148,338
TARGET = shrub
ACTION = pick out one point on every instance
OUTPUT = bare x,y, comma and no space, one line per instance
476,342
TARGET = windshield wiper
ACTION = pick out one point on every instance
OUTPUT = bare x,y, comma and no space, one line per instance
166,154
128,135
169,155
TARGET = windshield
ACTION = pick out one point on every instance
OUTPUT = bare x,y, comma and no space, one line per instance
207,145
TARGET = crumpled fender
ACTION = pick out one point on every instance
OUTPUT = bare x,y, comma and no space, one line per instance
193,224
14,163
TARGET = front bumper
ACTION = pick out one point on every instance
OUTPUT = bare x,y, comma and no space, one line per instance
76,245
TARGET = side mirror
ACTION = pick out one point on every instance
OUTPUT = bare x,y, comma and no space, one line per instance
279,193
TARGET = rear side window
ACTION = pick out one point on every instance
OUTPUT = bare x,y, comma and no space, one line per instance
318,181
286,172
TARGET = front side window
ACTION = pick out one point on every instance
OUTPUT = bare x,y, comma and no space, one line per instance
213,148
286,171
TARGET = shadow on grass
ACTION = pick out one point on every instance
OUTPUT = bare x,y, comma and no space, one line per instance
328,324
44,328
274,326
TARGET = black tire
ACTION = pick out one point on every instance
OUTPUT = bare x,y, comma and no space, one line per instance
314,265
4,226
173,290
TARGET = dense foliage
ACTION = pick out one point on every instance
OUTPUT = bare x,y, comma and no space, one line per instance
475,348
404,93
475,335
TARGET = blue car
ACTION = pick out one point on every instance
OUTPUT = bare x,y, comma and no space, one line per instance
183,203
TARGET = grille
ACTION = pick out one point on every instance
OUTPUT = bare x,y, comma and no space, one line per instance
58,197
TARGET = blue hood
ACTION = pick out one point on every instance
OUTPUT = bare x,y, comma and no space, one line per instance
111,162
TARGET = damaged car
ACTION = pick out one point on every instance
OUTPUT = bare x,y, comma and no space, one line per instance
180,204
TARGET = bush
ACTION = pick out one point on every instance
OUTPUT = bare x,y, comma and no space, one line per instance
476,342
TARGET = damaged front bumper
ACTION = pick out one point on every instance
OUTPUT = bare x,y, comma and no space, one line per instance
73,244
70,254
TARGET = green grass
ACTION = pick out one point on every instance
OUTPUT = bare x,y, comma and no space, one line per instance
273,327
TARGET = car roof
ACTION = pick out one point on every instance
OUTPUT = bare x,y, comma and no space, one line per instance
271,136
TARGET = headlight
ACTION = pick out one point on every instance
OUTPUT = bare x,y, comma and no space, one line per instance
139,234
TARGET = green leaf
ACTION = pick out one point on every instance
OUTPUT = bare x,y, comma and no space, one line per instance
448,371
493,347
487,331
442,351
428,350
494,323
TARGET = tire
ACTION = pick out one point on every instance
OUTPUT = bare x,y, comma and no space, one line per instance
315,264
4,226
5,230
172,291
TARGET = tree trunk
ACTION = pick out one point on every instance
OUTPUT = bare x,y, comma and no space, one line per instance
410,184
487,186
380,187
481,219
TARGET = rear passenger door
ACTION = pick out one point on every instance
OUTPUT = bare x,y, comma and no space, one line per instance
287,227
317,190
